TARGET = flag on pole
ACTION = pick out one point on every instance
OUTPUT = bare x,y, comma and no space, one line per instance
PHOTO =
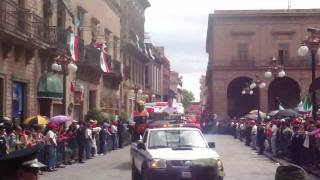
307,105
73,46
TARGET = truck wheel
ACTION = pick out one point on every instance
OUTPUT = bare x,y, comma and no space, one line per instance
135,175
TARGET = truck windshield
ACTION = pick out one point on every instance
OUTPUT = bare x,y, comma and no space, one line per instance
176,138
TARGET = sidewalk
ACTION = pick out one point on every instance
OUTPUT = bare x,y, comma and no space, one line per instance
287,162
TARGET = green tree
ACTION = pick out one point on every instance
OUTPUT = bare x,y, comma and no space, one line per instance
187,98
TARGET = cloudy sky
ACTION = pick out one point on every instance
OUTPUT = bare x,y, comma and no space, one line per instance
181,26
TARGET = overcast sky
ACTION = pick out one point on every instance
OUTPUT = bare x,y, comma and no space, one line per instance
181,26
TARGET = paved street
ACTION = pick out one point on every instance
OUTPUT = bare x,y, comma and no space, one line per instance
113,166
240,162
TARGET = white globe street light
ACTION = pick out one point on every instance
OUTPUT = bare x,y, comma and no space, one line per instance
253,85
243,92
268,74
55,66
281,74
262,85
251,92
303,51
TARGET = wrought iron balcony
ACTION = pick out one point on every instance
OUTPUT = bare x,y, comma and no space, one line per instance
299,62
21,22
58,37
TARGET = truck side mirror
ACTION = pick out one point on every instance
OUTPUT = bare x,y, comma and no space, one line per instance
212,145
141,145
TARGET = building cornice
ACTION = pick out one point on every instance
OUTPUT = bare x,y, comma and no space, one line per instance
271,12
257,68
114,6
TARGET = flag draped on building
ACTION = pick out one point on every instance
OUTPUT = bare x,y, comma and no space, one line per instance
103,62
103,58
73,46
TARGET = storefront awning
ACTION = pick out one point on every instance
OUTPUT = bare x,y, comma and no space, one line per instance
50,86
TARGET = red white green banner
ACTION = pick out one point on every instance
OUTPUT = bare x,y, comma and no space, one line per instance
73,46
103,62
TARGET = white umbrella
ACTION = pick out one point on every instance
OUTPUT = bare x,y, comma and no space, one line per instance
273,113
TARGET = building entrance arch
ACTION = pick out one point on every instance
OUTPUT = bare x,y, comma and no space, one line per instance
284,91
238,104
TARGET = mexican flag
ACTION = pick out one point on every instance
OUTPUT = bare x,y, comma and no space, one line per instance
307,105
103,62
73,46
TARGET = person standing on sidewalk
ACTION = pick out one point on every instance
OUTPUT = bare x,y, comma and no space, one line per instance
261,137
81,140
120,131
296,146
274,130
254,135
51,146
88,141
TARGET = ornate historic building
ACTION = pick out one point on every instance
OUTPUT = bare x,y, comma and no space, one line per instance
133,51
241,45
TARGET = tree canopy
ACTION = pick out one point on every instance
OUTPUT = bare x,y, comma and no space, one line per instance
187,98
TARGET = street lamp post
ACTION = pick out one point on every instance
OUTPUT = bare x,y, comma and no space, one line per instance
275,70
248,89
64,64
311,44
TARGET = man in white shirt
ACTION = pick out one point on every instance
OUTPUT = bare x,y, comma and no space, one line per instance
51,145
88,134
254,136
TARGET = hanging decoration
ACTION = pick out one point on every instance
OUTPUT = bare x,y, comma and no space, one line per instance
73,47
103,57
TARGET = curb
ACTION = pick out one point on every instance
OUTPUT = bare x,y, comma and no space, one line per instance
285,162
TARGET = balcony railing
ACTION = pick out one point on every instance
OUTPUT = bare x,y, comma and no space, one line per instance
92,55
21,21
58,37
250,61
299,62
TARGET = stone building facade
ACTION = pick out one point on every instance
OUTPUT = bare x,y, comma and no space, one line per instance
21,42
133,51
176,85
241,44
203,92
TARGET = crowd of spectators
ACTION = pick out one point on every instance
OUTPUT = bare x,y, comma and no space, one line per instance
294,139
64,143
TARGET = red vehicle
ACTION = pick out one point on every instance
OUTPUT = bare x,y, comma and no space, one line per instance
193,121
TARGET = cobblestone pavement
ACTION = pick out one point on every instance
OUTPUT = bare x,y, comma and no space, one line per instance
240,163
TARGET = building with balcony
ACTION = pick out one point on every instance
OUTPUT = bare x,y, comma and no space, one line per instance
23,35
154,73
176,85
133,50
95,24
241,44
